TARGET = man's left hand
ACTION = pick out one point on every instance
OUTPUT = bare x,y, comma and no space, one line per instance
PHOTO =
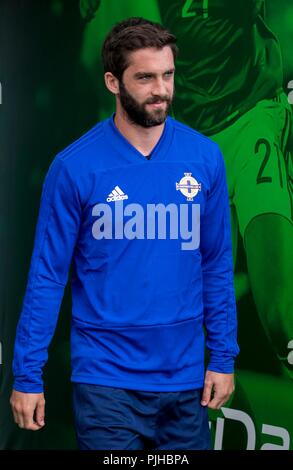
217,390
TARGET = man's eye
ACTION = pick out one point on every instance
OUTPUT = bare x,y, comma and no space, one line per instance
145,77
169,74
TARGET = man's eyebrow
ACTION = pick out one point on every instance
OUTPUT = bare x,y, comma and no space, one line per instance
152,74
170,70
142,74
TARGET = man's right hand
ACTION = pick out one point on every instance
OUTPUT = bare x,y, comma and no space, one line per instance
28,409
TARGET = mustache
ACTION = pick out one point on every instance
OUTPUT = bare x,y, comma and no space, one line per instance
158,99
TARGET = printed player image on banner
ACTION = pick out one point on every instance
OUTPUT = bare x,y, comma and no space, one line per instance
63,303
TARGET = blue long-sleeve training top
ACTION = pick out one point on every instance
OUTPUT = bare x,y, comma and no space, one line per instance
152,276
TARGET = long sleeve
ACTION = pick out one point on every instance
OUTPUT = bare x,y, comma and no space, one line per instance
55,237
217,269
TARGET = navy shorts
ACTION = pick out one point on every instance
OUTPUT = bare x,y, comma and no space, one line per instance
107,418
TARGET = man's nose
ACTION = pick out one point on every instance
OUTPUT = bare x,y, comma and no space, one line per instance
159,87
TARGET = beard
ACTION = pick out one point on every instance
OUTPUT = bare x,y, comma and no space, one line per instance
137,112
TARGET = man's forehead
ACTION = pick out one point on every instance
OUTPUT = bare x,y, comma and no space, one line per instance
151,56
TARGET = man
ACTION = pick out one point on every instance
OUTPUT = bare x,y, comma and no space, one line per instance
140,205
229,87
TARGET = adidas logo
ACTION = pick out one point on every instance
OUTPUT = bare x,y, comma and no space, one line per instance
116,195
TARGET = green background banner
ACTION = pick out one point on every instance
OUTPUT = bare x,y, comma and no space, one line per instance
235,84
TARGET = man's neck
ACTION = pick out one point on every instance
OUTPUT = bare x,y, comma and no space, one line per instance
144,139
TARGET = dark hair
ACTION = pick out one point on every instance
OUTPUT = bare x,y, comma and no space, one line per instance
130,35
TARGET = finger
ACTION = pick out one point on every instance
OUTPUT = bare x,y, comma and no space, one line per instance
28,420
206,395
14,411
215,404
218,401
15,416
40,414
33,427
20,420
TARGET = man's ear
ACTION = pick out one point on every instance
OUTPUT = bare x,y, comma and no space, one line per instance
112,83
